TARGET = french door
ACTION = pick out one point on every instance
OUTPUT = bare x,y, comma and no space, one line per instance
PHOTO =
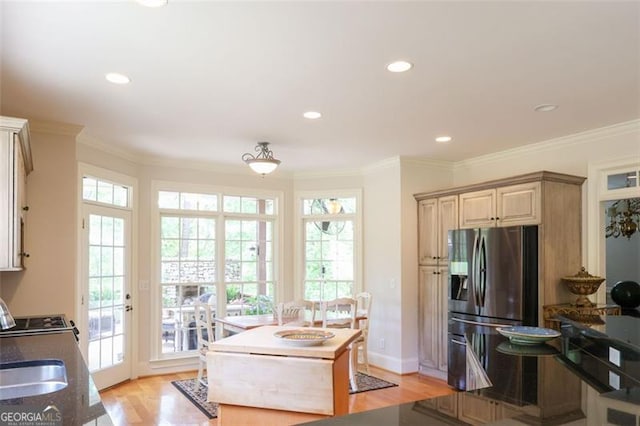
106,300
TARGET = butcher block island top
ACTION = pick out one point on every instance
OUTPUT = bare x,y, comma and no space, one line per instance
262,340
256,368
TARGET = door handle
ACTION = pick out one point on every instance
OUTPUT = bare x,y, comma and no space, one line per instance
458,342
128,308
484,324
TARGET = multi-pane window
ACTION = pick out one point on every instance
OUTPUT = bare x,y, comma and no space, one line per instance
191,256
329,247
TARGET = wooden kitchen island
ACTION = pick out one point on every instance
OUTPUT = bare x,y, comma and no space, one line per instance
256,369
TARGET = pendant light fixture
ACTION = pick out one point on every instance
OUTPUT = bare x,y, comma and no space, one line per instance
263,162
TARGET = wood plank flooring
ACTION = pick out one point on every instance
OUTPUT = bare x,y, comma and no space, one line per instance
155,401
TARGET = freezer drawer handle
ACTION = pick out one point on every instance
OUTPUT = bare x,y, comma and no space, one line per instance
484,324
458,342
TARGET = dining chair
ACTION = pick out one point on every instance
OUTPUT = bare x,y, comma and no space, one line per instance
341,313
296,312
363,310
204,324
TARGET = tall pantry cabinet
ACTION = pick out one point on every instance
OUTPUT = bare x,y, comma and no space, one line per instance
15,164
436,216
547,199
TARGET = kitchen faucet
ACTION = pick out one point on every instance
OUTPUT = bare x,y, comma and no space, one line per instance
6,320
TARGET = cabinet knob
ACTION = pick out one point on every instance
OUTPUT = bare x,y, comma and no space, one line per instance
492,218
23,254
434,257
25,208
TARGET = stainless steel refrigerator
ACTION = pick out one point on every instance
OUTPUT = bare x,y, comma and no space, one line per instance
493,282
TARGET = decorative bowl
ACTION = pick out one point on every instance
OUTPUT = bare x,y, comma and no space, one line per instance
308,337
583,284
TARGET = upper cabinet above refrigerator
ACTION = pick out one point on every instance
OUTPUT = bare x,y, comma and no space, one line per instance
15,165
502,206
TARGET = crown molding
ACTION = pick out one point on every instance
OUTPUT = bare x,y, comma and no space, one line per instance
427,162
553,144
98,144
55,128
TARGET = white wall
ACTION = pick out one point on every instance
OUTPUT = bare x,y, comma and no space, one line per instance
47,286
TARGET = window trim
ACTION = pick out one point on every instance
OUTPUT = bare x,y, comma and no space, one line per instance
597,192
157,359
298,243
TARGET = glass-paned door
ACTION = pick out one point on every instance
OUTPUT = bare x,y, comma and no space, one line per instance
107,297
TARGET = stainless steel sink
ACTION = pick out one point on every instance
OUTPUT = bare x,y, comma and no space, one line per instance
30,378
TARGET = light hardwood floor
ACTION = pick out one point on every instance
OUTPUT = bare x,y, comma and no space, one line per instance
155,401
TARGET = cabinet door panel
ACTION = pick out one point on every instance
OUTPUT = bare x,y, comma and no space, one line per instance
519,204
475,410
448,215
477,209
428,316
6,239
428,232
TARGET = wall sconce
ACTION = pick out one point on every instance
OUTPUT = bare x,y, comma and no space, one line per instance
262,163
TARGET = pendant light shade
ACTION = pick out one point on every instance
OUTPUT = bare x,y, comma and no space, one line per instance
263,162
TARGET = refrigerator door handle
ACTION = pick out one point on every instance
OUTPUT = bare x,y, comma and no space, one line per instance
482,270
475,268
484,324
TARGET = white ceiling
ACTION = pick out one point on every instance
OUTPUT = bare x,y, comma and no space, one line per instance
211,78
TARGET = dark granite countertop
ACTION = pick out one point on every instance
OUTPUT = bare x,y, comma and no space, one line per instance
79,402
584,377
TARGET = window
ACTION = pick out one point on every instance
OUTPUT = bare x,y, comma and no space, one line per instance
215,248
329,232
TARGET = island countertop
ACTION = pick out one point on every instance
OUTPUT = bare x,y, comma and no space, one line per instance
79,402
606,367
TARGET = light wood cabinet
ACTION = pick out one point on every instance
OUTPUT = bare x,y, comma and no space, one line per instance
432,314
15,164
503,206
479,410
436,217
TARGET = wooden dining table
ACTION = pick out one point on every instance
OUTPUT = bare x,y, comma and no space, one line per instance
257,369
239,323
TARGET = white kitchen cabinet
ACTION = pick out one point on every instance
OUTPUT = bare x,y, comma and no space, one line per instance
436,216
432,314
15,164
503,206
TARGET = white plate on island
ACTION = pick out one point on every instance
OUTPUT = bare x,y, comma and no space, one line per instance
526,335
303,337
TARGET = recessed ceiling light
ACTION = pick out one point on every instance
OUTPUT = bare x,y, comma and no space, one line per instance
152,3
117,78
399,66
545,107
443,139
312,115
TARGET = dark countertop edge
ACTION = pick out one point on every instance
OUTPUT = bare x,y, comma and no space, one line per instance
79,402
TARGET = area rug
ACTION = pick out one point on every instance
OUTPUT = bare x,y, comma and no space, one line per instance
210,409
